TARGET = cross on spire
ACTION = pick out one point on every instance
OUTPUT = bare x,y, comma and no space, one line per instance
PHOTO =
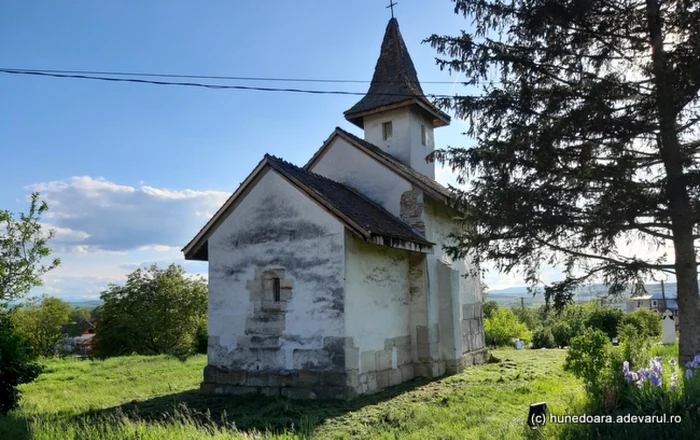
391,6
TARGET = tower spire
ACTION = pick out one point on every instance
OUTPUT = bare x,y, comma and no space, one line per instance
395,82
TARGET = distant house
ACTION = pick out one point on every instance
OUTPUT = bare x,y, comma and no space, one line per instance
655,301
80,345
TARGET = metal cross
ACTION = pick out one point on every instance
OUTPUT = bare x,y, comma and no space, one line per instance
391,5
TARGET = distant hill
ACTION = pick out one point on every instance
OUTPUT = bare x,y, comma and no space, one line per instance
512,295
89,304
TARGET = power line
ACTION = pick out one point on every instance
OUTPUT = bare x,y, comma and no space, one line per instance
191,76
211,86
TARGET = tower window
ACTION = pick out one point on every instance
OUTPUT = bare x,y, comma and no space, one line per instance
387,130
423,135
276,289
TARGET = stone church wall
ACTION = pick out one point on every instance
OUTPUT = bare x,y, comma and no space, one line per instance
292,345
377,316
438,224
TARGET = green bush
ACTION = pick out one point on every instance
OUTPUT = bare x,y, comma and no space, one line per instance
588,356
504,326
646,322
605,319
543,338
488,308
16,365
528,316
561,331
201,339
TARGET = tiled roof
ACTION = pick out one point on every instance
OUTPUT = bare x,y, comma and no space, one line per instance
395,78
400,166
361,210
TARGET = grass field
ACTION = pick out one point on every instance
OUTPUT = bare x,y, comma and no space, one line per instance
156,397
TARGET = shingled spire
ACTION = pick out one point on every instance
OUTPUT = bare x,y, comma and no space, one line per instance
395,83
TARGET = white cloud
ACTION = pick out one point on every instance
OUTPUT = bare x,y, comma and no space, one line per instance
96,215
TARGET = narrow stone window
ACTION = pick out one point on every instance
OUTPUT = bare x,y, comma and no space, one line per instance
423,135
387,130
276,289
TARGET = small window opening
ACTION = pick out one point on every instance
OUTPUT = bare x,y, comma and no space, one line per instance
423,135
292,234
276,289
387,130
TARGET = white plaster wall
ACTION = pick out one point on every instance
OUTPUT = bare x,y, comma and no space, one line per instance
255,235
399,145
438,226
406,144
418,150
376,293
345,163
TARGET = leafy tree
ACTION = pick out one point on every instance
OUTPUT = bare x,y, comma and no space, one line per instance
606,319
543,338
79,314
16,365
645,322
157,311
528,316
23,247
586,127
488,308
503,326
39,322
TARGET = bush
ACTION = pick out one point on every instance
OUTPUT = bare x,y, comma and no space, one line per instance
588,356
528,316
605,319
543,338
646,322
562,334
488,308
16,366
201,339
504,326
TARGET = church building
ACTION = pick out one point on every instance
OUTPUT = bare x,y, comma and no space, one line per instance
330,280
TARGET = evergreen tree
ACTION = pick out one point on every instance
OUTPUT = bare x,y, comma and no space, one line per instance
586,128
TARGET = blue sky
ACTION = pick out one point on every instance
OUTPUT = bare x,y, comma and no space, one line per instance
131,172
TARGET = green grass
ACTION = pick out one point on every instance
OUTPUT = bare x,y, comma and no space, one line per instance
157,398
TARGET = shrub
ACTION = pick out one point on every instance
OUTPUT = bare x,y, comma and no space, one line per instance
488,308
646,322
201,339
16,366
504,326
606,319
562,334
528,316
543,338
589,354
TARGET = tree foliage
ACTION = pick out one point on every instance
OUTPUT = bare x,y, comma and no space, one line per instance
39,322
16,365
504,326
23,247
157,311
587,140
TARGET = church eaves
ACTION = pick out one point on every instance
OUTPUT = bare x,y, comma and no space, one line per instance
359,214
395,83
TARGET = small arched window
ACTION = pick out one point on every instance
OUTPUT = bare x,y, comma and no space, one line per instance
276,289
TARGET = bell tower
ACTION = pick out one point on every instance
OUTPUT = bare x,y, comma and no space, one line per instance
395,114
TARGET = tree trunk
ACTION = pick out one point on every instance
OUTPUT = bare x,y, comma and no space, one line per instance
677,194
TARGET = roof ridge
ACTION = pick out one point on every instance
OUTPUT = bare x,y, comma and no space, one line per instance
388,156
351,189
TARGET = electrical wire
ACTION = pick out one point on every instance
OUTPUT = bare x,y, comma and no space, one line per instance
211,86
233,78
